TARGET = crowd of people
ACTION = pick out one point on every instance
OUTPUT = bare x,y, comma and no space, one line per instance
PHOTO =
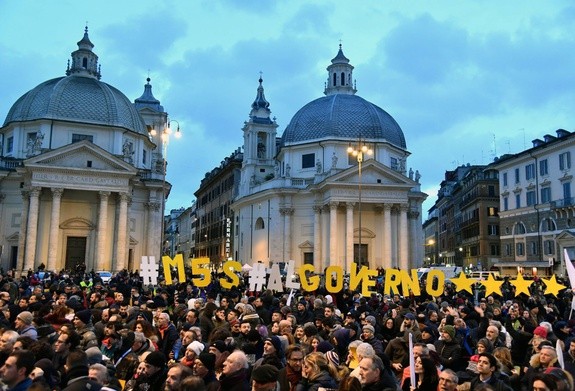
78,333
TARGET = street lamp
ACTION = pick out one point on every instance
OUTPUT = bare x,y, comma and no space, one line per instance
165,137
358,153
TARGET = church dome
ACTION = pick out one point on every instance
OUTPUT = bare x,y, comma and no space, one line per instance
342,116
77,99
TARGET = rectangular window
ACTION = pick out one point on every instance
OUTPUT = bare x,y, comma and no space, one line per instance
517,178
519,249
308,258
393,164
543,168
545,195
492,211
10,144
530,171
531,198
549,247
504,179
566,190
494,249
532,248
308,160
565,161
517,201
144,156
491,191
508,249
493,229
505,203
79,137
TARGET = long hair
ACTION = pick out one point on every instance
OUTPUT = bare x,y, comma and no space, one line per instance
319,363
429,371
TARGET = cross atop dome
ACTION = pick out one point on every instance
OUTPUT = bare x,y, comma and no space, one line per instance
84,60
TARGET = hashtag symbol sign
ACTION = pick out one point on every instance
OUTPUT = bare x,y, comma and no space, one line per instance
149,270
257,277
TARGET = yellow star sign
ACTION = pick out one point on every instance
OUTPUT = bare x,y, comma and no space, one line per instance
463,283
492,285
521,285
552,287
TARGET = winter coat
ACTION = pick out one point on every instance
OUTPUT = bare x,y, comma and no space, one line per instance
323,380
450,354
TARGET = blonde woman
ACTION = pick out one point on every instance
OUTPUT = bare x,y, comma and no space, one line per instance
317,372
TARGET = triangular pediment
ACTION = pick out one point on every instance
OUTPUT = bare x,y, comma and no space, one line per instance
13,238
566,235
83,155
306,244
372,172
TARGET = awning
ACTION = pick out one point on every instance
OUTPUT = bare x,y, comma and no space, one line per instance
523,264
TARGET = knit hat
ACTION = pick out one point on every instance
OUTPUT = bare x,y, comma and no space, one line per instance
332,357
156,358
540,331
275,341
371,320
368,327
196,347
209,360
409,316
265,374
472,364
26,317
449,329
219,345
94,355
487,344
324,347
85,316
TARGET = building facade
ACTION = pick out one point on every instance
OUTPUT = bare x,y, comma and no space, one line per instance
303,197
536,206
82,174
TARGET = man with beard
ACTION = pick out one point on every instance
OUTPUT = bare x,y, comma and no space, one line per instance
176,374
290,375
235,376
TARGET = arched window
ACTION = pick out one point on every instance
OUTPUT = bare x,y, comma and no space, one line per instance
548,225
260,223
342,79
334,79
85,62
519,229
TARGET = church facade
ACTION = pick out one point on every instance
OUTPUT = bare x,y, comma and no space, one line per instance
304,197
82,173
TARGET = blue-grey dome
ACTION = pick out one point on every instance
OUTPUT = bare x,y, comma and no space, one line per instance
342,116
77,99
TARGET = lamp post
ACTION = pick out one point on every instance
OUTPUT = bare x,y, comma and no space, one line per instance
165,138
359,154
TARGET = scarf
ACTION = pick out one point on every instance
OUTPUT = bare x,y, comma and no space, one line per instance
293,378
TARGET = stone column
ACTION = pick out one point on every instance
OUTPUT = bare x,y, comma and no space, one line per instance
403,237
349,239
121,241
317,236
379,246
387,260
23,226
154,232
102,228
54,228
287,239
332,233
32,228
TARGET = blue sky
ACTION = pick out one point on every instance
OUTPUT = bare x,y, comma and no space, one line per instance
465,80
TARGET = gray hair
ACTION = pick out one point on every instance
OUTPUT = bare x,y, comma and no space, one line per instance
240,357
102,373
12,335
365,350
139,337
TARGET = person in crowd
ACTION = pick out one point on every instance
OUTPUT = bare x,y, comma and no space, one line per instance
204,367
317,372
235,375
176,374
65,343
83,325
487,368
7,341
77,373
449,349
374,376
539,363
265,378
16,370
24,325
291,374
273,353
426,377
448,380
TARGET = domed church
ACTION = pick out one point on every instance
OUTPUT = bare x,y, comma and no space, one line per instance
334,189
82,181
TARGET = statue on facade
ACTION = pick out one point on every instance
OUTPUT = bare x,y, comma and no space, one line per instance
261,148
38,141
277,169
333,160
318,166
288,170
410,173
417,176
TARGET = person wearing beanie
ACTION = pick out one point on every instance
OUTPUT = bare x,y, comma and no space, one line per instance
265,378
484,346
83,325
303,314
154,373
23,325
449,350
273,353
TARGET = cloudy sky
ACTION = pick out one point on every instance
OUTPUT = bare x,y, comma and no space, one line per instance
466,80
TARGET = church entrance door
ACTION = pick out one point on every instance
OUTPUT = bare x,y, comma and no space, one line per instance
75,252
